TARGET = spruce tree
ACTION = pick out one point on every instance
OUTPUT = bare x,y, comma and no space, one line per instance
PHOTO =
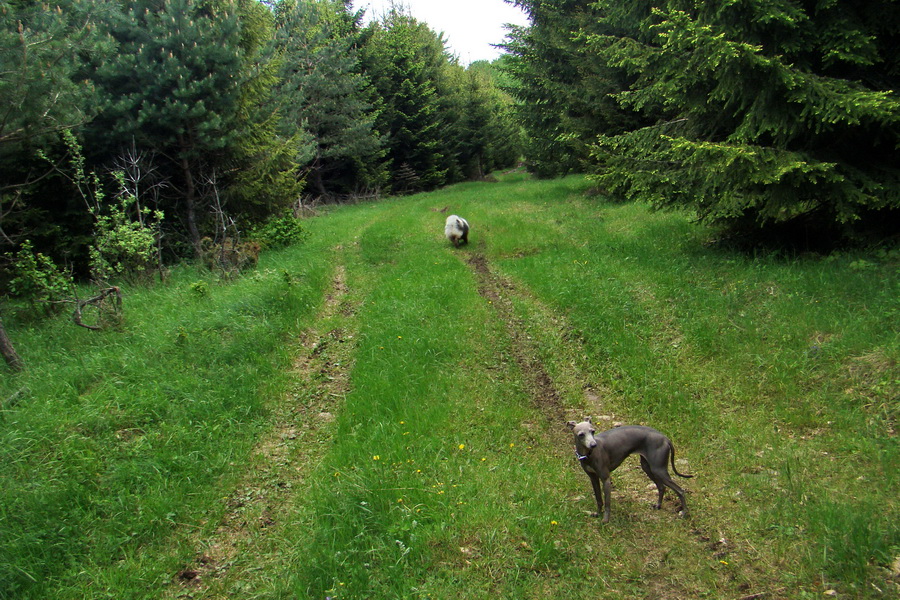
326,97
262,178
489,136
563,90
770,111
403,59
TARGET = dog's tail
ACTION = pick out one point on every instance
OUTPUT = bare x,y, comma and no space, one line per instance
672,458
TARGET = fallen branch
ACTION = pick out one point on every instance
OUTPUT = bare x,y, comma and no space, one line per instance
97,301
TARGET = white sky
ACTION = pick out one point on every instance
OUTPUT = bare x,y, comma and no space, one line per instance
469,26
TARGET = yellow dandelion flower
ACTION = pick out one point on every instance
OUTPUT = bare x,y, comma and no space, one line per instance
376,457
462,446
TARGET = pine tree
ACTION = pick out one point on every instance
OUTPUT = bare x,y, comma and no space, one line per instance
772,110
43,91
175,88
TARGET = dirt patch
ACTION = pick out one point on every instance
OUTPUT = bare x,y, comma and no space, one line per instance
497,291
285,454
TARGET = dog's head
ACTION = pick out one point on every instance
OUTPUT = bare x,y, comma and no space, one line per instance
584,435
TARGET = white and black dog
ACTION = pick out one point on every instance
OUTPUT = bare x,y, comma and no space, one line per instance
457,230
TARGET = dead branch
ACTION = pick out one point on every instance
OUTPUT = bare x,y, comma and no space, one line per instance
96,301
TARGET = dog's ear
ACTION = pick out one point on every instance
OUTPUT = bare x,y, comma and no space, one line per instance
588,419
571,424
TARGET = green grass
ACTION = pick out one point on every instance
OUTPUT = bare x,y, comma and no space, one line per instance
128,456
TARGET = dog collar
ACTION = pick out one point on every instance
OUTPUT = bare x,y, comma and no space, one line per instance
578,456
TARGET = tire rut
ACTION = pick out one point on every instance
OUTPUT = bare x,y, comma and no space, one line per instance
497,291
284,456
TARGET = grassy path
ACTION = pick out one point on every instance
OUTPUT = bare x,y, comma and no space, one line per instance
282,460
404,430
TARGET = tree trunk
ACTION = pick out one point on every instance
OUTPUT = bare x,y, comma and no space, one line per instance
317,182
8,352
190,196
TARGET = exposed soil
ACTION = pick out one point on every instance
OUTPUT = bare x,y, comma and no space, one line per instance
497,290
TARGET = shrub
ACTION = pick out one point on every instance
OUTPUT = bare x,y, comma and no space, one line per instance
38,278
280,231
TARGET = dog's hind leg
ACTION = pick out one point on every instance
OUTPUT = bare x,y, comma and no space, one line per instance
661,476
660,485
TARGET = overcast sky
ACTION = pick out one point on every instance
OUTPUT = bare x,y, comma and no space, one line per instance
469,26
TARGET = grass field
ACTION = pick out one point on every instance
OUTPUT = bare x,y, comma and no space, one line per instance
376,414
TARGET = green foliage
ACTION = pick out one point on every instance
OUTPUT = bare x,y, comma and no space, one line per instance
563,90
279,231
480,132
264,174
125,236
42,87
443,123
124,246
200,289
774,111
404,60
236,107
175,88
37,277
326,97
745,113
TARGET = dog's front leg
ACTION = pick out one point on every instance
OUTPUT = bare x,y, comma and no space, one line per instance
606,488
598,494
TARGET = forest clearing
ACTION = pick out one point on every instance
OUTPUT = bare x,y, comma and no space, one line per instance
374,413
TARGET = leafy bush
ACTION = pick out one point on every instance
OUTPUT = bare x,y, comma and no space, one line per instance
280,231
125,234
37,277
124,246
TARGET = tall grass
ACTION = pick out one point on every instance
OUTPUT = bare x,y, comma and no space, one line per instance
116,437
442,475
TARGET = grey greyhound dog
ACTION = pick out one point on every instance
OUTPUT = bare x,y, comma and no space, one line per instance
600,454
